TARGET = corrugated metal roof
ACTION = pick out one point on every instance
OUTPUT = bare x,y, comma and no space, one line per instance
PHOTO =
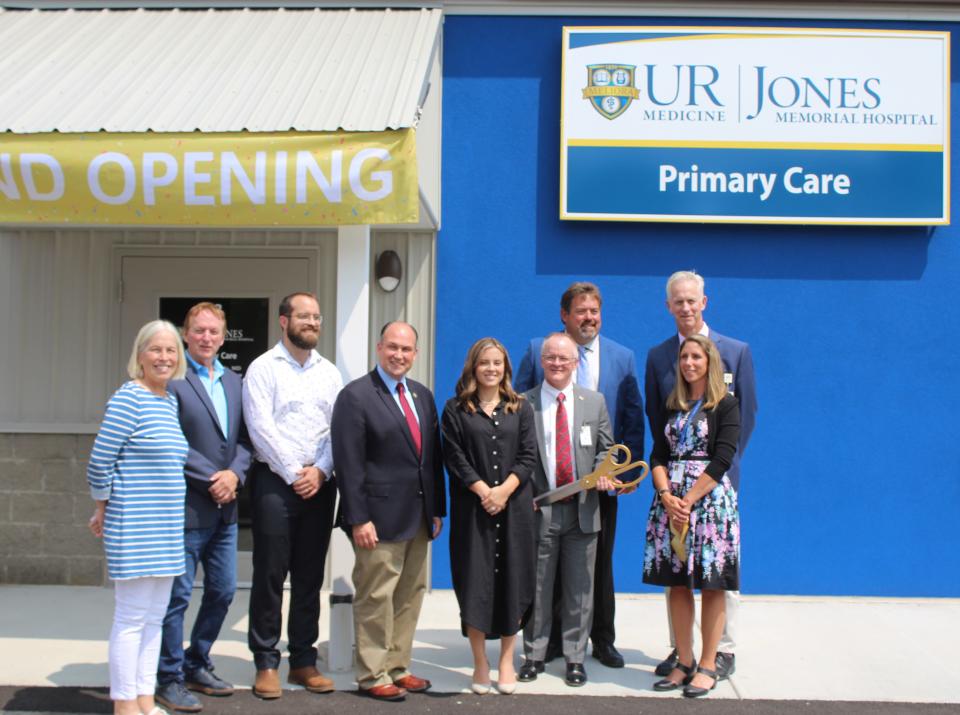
213,70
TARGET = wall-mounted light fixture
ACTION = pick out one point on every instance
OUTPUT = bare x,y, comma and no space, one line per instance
388,270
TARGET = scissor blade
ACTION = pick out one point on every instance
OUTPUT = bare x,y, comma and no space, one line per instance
555,495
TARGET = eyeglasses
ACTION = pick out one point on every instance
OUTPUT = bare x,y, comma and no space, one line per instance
558,359
316,317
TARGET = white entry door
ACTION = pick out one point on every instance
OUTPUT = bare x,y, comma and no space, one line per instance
151,281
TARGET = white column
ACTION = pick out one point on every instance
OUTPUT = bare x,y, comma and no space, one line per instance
353,335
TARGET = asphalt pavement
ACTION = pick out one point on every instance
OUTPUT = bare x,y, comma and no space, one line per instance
795,655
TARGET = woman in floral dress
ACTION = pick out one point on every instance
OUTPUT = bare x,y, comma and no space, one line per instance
693,533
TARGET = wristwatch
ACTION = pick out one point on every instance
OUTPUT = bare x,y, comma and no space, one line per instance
661,492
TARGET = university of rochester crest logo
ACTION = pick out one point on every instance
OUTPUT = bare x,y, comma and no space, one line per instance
611,88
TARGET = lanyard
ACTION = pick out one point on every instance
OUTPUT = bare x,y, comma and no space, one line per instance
685,430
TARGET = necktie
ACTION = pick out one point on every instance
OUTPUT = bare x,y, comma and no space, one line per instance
564,458
583,369
411,418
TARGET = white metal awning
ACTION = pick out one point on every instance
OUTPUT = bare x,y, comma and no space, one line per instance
214,70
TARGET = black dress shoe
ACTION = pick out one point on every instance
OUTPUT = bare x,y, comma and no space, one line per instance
690,691
726,665
665,666
529,670
576,675
554,651
665,685
608,655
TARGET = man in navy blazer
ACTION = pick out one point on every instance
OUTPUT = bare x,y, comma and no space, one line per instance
211,418
686,302
386,452
611,369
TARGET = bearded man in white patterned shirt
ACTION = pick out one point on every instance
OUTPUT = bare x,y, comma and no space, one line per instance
288,397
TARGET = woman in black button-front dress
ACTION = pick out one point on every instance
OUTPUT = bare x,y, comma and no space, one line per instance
490,449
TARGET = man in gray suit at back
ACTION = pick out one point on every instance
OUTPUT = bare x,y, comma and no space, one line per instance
573,435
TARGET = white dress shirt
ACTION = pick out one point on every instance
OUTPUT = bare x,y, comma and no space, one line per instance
548,400
391,384
287,407
704,331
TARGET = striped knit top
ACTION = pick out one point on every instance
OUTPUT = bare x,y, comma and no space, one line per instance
137,465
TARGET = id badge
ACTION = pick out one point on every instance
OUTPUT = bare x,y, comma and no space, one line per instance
586,439
676,472
728,381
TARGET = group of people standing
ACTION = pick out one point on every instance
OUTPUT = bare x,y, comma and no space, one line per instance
184,435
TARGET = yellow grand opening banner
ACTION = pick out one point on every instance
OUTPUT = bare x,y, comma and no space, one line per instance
197,179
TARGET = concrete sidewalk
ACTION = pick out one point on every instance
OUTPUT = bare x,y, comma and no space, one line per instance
792,648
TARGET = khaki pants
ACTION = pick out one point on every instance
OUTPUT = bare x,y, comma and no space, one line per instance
390,582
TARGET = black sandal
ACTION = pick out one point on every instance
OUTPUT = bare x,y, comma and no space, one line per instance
666,685
691,691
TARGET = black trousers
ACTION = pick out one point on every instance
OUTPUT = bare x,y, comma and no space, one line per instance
290,535
604,601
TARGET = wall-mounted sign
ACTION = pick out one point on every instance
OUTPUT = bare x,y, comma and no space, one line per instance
248,326
767,125
197,179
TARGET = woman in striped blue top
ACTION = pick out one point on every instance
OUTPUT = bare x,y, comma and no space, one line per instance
136,479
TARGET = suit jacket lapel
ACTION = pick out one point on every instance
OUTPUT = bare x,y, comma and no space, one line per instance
577,426
421,410
194,380
537,404
234,392
602,365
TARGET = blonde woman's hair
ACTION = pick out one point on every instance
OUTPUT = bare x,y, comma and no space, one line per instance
466,388
143,339
679,398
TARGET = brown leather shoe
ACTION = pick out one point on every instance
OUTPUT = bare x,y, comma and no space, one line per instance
310,678
267,684
412,684
389,691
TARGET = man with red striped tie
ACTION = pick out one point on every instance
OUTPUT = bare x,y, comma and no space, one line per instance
386,454
574,434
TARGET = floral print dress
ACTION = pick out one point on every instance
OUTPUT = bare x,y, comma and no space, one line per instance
713,540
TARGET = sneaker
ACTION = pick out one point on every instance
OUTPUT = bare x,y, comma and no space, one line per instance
204,681
176,697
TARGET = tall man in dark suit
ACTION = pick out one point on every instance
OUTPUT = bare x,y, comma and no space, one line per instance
386,447
211,417
573,435
610,368
686,302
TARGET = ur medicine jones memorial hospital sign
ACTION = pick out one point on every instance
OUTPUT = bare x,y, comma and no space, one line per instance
764,125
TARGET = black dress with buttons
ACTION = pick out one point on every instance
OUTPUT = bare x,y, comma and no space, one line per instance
492,558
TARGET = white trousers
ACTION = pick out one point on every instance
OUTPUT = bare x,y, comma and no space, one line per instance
728,641
139,607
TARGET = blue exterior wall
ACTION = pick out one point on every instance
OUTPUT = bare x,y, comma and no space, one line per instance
851,484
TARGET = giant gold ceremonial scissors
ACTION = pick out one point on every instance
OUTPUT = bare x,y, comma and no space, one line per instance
609,468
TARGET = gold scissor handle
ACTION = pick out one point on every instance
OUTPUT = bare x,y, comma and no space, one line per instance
610,467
